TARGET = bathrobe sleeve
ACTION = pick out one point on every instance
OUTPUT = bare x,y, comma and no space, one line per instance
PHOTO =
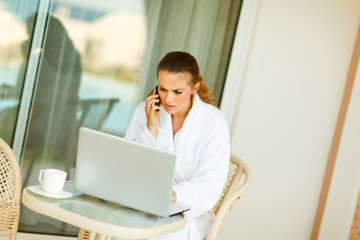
203,189
138,131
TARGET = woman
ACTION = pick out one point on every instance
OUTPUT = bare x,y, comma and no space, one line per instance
185,121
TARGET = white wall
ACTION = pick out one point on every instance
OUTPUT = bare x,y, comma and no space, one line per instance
287,101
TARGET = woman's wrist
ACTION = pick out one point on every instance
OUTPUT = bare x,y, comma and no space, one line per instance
152,130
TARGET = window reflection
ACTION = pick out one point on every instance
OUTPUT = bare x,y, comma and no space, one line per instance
111,38
87,76
12,53
53,119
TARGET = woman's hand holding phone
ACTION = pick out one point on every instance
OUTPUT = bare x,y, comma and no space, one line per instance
152,107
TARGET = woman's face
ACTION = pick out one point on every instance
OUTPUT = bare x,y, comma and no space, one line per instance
175,91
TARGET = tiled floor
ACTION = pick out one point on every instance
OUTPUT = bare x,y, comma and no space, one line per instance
28,236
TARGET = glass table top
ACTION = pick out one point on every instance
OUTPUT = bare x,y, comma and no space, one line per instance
104,211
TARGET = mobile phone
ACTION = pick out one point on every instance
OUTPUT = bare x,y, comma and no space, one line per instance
157,92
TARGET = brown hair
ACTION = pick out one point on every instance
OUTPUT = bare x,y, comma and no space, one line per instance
177,62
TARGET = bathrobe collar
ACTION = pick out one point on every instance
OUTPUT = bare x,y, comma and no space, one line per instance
190,126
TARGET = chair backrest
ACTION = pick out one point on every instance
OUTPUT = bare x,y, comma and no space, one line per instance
232,192
92,113
10,191
101,108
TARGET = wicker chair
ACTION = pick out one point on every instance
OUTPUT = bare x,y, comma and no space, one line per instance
231,193
10,191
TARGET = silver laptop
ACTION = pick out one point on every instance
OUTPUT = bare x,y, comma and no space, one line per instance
126,172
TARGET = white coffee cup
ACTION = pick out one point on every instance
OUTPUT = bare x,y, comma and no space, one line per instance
52,180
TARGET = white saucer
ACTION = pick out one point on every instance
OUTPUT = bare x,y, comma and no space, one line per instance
38,190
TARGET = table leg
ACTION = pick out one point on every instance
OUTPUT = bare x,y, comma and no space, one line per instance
102,237
92,236
83,234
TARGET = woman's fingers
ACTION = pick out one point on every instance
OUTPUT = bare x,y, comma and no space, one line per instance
151,114
150,103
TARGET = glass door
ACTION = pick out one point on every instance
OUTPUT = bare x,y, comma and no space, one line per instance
86,76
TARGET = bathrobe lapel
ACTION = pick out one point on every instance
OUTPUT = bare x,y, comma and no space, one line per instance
185,139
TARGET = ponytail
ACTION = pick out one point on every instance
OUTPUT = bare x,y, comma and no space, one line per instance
205,93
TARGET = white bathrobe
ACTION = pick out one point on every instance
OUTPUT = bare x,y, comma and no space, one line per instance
202,146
